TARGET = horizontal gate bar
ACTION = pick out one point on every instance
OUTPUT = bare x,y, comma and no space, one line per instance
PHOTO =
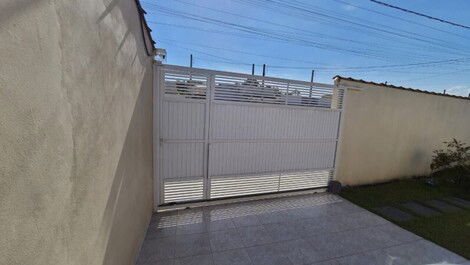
249,104
202,71
315,140
245,198
313,170
277,106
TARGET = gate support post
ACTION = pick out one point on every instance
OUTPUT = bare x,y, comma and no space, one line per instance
207,143
157,182
339,141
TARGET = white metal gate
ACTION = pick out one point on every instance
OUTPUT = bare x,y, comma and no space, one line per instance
223,134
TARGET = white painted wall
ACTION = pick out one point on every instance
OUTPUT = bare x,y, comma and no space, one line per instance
390,133
75,132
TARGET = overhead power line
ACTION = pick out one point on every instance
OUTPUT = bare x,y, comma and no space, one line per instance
295,8
290,37
325,68
293,38
421,14
292,29
400,19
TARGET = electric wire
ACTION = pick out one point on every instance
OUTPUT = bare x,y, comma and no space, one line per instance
421,14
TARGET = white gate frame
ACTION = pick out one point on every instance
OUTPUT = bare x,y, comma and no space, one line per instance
158,95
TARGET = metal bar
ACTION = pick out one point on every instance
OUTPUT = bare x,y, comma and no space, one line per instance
255,105
160,152
211,141
311,81
184,69
209,95
287,93
281,172
156,136
340,133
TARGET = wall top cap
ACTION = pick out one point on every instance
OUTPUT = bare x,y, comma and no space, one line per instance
338,78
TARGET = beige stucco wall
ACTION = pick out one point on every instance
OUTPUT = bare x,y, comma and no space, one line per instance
75,132
390,133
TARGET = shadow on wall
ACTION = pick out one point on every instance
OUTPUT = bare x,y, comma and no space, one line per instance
107,10
130,202
14,7
418,157
131,194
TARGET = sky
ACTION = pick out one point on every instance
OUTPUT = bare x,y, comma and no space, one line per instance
352,38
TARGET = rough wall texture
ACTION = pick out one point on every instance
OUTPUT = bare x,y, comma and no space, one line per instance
75,132
390,133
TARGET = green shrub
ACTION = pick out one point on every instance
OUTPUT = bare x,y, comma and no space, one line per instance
455,156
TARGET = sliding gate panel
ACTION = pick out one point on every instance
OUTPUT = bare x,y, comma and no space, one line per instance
227,134
183,108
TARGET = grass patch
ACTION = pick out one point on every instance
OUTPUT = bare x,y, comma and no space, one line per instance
449,230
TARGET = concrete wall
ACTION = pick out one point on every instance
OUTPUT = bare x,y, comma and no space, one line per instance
390,133
75,132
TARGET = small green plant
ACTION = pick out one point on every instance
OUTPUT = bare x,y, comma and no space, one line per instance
455,156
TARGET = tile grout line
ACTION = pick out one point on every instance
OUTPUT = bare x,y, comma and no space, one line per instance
369,250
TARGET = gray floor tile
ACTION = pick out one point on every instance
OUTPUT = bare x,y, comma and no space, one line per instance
334,233
195,260
154,232
334,245
422,252
249,220
219,225
396,234
205,226
158,262
368,258
267,255
443,206
395,214
191,229
225,240
343,207
299,252
191,245
232,257
192,216
318,225
169,217
255,235
283,231
372,238
157,249
360,219
420,209
162,225
306,212
273,217
328,262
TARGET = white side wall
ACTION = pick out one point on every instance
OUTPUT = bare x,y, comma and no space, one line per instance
76,132
390,133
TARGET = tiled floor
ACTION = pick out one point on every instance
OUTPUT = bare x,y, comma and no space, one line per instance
321,229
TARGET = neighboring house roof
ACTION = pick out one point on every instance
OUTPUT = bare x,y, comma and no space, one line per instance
397,87
145,28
